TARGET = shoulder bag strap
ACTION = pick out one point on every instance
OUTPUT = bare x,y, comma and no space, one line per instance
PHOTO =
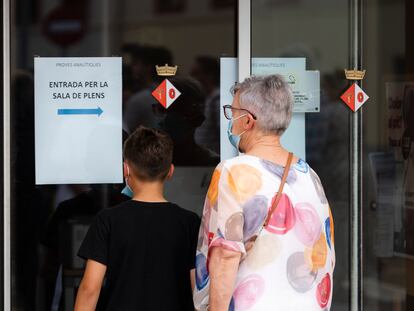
279,193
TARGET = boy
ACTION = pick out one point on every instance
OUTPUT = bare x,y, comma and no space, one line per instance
145,247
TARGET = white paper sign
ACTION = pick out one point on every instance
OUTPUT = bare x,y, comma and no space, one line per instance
305,88
78,120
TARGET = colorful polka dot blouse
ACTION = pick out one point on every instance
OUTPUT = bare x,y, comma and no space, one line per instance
289,264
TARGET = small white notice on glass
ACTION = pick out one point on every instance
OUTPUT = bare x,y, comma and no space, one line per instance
78,120
305,88
305,84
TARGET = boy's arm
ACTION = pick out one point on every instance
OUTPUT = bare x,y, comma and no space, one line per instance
90,286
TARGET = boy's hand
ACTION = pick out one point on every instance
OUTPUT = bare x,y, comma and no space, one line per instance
90,286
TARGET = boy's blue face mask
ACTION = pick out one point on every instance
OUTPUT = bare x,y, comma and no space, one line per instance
234,139
127,189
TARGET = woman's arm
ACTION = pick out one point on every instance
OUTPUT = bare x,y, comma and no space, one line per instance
192,279
90,286
223,266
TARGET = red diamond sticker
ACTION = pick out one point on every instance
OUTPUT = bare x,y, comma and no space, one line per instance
354,97
166,93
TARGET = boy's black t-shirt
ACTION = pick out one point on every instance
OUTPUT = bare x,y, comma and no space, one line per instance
149,250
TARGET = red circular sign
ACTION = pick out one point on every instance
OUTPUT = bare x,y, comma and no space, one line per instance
65,25
171,93
360,97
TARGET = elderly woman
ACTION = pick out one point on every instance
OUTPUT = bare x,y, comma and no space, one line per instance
266,240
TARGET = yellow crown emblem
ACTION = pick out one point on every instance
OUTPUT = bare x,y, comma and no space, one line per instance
354,74
166,70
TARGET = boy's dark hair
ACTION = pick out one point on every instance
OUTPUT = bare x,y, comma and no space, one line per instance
149,153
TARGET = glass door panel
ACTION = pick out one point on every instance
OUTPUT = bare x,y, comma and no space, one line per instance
314,35
49,221
388,155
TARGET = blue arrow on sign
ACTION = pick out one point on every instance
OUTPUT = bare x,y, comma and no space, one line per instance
80,111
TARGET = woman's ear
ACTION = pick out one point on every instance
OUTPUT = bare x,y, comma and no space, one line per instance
170,172
249,122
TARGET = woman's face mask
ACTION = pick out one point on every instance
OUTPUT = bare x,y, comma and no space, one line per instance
233,138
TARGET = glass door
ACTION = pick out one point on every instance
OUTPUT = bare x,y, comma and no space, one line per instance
388,156
49,218
308,43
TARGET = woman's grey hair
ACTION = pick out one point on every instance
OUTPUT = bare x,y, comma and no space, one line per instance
269,98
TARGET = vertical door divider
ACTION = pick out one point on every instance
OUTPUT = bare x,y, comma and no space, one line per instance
356,224
6,158
244,47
